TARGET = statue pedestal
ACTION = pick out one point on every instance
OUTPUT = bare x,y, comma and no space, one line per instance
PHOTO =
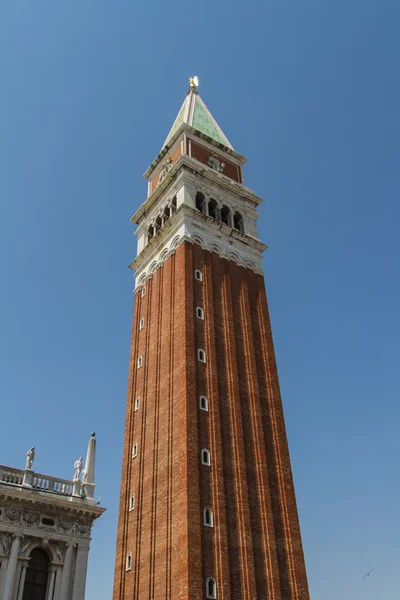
89,491
27,480
76,490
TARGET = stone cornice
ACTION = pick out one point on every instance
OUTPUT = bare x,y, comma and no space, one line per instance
207,173
200,225
196,134
40,501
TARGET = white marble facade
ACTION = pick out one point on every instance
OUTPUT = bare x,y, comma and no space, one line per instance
45,526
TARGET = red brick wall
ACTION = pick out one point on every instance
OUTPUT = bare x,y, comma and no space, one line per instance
254,550
174,155
203,154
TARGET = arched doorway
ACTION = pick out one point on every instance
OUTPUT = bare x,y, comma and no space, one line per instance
36,576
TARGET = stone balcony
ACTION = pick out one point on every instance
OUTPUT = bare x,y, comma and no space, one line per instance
37,482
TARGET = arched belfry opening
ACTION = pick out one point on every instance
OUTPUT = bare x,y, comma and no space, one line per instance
36,576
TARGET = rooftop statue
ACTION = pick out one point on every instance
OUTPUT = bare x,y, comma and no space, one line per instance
30,457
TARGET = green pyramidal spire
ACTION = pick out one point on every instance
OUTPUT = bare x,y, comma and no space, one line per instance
195,113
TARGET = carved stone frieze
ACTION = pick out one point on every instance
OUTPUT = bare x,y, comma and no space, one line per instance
13,515
30,518
65,524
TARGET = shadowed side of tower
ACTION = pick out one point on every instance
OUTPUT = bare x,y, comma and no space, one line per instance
207,507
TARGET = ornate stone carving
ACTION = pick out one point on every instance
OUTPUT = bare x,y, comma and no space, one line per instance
13,515
5,543
30,518
65,524
216,164
25,543
59,550
82,528
30,457
165,170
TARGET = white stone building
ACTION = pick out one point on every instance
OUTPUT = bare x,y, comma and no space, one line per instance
45,526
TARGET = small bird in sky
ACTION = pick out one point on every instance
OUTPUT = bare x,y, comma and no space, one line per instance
366,574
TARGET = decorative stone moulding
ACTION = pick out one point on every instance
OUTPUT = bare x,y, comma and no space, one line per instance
206,245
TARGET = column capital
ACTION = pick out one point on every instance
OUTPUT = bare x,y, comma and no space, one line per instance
52,568
71,544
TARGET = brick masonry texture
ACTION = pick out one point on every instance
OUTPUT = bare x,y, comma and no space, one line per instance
202,154
174,156
254,550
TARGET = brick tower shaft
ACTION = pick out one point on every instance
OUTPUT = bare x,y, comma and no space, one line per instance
207,507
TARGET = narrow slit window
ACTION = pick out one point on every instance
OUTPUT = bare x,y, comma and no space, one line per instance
201,355
129,562
198,275
141,324
203,402
211,588
137,403
134,450
139,362
132,502
200,313
208,517
143,291
205,457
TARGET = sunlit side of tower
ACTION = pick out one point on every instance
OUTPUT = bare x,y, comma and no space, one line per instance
207,506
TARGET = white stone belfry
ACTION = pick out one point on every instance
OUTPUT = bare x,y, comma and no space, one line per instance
45,525
196,194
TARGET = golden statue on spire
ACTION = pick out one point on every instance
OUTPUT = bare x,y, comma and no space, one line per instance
193,82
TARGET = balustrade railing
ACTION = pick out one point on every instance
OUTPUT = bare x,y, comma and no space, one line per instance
51,484
13,476
44,483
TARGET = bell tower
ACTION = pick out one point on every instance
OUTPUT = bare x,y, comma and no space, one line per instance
207,505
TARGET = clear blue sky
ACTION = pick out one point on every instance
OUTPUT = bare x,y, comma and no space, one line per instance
309,91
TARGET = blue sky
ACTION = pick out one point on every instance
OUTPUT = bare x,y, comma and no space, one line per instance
309,91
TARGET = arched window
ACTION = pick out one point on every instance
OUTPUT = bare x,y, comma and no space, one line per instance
208,517
132,502
36,576
238,222
129,561
134,450
213,208
198,275
150,233
200,313
166,214
205,457
201,202
201,355
203,403
226,215
211,588
158,224
173,205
